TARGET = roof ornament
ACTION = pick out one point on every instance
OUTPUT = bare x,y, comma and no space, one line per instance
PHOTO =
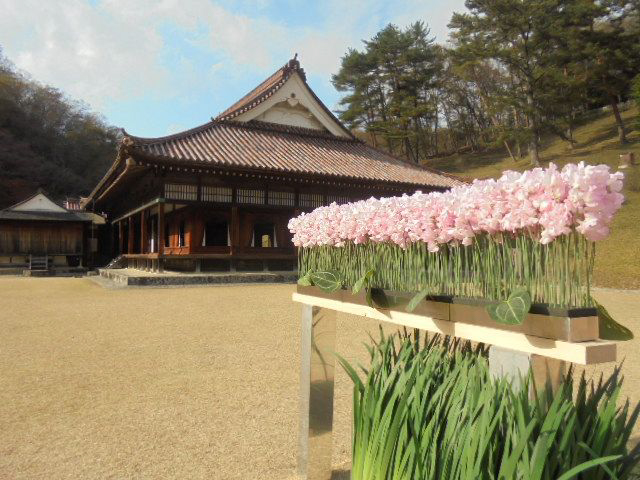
294,65
127,141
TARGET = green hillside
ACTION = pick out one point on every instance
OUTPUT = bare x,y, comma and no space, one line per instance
618,257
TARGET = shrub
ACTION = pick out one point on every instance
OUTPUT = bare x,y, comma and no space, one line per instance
435,413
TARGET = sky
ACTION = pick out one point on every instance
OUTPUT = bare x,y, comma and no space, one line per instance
156,67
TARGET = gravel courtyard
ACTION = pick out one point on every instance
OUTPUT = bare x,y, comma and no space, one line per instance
190,383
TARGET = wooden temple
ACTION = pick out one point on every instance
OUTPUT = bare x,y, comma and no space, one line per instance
219,197
37,234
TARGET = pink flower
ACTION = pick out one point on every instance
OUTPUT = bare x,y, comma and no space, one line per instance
549,202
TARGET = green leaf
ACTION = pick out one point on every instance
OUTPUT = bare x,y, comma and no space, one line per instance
380,299
363,281
328,281
305,280
370,297
609,328
513,310
417,298
587,465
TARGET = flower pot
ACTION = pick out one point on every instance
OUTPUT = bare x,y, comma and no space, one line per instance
570,325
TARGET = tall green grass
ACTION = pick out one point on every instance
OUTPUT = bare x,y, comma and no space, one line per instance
432,411
493,267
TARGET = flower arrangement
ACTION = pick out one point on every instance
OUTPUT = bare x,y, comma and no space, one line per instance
530,232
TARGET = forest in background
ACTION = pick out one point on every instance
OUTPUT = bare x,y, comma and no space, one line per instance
513,72
48,140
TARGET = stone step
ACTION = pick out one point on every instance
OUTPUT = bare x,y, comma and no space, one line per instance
133,277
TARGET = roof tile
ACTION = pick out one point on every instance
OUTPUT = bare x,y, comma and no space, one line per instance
273,147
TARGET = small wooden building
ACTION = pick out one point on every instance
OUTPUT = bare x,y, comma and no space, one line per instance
219,196
38,234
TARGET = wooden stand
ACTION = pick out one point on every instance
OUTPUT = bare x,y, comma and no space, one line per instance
543,343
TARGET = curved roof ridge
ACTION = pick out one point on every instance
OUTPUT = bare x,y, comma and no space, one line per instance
287,129
251,124
264,90
173,136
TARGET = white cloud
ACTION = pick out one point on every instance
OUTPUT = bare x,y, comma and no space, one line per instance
113,50
85,50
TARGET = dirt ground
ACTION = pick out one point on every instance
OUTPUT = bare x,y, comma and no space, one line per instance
171,383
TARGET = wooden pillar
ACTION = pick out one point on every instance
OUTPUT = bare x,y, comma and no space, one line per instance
144,237
235,230
189,230
197,232
160,230
83,236
234,234
120,247
131,235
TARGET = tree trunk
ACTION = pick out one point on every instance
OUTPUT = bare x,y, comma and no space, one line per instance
534,152
622,138
506,144
519,152
570,135
435,132
516,123
534,145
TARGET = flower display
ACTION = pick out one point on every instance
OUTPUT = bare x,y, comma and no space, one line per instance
532,231
544,202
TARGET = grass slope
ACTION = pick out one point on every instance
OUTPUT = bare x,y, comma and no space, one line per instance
618,257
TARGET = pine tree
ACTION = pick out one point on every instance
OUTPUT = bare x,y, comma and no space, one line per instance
519,35
390,89
612,43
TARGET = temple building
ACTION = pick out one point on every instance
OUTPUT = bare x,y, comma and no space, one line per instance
218,197
38,235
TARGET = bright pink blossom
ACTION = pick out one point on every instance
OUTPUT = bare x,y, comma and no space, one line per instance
546,202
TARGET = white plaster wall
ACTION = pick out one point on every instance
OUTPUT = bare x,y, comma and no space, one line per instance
39,203
285,114
296,90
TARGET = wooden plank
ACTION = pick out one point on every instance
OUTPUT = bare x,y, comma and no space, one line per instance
576,329
556,327
130,213
583,353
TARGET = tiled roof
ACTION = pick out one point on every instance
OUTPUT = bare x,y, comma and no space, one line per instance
36,215
263,91
278,148
269,87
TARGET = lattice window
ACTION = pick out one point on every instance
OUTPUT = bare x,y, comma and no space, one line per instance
250,195
282,198
179,191
216,194
311,200
339,199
